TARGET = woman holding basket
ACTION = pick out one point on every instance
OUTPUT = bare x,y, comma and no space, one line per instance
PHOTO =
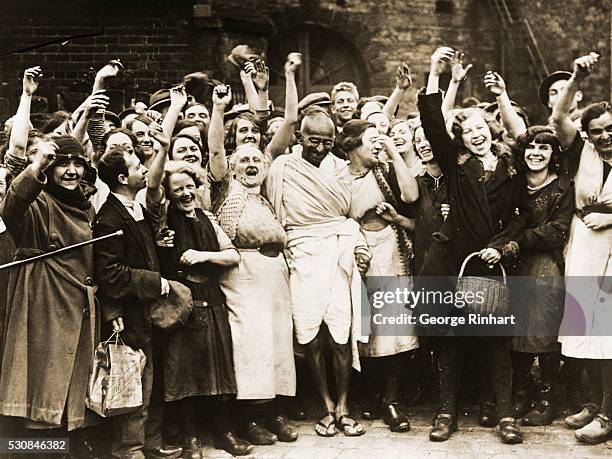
485,190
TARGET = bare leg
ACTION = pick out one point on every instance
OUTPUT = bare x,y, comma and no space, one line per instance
342,372
326,427
342,358
316,360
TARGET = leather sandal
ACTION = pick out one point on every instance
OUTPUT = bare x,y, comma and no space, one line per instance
349,426
330,427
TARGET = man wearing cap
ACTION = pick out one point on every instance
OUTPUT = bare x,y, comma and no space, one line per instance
128,274
160,101
551,87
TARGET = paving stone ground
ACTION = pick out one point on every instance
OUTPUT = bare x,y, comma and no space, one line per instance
470,441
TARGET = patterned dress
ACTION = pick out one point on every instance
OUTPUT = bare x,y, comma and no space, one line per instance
257,293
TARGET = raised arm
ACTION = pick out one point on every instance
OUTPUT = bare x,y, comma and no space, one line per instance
21,121
178,99
429,104
246,77
156,168
97,101
282,137
459,73
217,162
403,81
514,124
24,190
566,131
407,184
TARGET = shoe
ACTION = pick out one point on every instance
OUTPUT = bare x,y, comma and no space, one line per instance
233,444
282,429
395,419
487,416
192,448
510,432
443,427
584,417
256,434
597,431
522,404
163,452
542,414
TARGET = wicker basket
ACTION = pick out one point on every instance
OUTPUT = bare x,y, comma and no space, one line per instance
495,292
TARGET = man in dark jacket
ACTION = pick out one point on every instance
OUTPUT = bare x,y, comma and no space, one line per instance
127,271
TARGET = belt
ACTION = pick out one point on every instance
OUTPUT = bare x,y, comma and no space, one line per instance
199,304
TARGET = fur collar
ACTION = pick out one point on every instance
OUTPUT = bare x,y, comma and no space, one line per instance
502,151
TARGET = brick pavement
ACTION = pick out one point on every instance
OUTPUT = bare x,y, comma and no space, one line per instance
471,441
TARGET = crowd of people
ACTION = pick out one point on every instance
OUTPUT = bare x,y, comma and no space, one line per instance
274,220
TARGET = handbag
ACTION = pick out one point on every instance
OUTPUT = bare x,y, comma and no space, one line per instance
174,310
495,292
115,386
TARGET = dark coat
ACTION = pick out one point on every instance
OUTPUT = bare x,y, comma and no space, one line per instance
127,270
482,213
51,318
538,294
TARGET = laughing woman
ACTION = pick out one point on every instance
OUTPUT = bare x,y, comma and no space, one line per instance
551,205
257,290
378,191
198,356
484,190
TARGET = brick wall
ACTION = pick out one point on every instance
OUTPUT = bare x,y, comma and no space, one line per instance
161,40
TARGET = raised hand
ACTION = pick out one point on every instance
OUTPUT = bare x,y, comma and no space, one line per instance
262,76
45,155
459,72
110,70
403,79
31,78
222,96
294,60
156,132
495,83
248,71
583,66
97,101
178,96
440,59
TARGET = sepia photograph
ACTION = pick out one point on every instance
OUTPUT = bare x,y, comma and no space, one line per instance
297,229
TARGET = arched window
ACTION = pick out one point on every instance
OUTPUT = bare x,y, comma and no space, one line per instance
327,58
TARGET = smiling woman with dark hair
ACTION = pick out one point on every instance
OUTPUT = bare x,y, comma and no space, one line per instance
539,303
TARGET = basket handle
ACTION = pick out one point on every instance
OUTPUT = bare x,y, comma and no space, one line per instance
464,264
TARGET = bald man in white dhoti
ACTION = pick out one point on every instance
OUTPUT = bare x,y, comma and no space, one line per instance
326,253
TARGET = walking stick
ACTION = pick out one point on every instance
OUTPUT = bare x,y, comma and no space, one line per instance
58,251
